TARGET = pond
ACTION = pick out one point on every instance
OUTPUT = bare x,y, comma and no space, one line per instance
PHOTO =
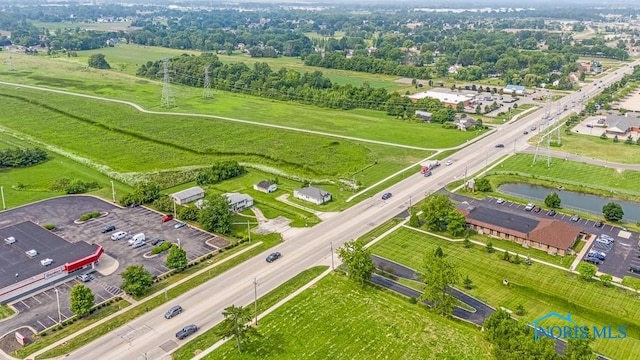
572,200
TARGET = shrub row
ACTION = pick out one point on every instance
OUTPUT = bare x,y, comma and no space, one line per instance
162,247
90,215
75,318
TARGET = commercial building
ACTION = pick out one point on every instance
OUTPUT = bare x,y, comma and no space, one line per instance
448,99
32,257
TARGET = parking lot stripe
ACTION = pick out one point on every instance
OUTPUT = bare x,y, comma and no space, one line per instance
36,299
25,304
50,318
47,294
41,324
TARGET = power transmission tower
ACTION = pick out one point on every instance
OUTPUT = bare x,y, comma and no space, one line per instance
167,95
9,59
544,135
206,93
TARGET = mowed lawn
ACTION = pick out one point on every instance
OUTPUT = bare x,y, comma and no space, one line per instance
594,147
129,141
539,288
73,75
25,185
337,319
571,172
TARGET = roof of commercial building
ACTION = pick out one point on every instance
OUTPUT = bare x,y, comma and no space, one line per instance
622,123
187,193
441,96
515,87
521,224
29,236
555,233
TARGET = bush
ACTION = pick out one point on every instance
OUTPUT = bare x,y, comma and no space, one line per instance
188,213
162,247
49,226
91,215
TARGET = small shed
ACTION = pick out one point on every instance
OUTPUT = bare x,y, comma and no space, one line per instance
424,115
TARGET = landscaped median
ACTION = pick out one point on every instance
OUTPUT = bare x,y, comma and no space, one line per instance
210,337
181,282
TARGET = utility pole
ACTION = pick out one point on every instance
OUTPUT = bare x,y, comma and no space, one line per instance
255,298
249,230
113,191
175,215
167,95
206,93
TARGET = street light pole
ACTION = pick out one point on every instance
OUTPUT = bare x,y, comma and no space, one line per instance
255,298
4,207
113,191
249,230
58,301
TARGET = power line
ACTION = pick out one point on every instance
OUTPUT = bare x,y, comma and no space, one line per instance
167,99
207,93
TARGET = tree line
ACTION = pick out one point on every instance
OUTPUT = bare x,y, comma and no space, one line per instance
290,85
22,157
219,171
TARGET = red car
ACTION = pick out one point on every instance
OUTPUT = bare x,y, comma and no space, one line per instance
167,218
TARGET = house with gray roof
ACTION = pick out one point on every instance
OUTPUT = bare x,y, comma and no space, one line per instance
312,194
622,125
465,124
238,202
188,195
266,186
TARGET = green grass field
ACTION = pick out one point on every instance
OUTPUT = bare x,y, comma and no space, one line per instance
574,173
337,319
539,288
594,147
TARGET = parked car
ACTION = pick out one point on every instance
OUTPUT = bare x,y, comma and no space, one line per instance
597,254
605,236
605,241
635,269
273,257
138,244
575,218
500,201
134,205
499,145
166,218
186,331
386,196
593,260
552,212
179,225
529,207
137,237
449,162
599,224
119,235
84,278
108,228
536,209
157,242
173,312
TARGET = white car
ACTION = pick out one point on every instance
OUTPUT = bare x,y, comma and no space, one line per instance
449,162
529,207
500,201
604,241
119,235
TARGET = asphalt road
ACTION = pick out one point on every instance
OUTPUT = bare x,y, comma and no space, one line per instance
152,337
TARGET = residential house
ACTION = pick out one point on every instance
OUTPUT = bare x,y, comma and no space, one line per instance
188,195
312,194
622,125
238,202
266,186
453,69
424,115
550,235
465,123
519,89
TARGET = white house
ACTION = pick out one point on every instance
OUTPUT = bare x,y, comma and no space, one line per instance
188,195
238,202
266,186
312,194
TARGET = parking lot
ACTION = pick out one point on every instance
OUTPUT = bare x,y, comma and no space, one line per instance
620,255
39,310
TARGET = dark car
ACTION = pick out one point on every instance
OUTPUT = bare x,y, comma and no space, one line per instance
499,145
427,174
386,196
186,331
173,312
536,209
599,224
109,228
552,212
526,133
273,257
157,242
635,269
598,255
593,260
134,205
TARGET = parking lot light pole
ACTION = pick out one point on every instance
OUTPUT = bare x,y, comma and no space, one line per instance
179,244
58,301
113,191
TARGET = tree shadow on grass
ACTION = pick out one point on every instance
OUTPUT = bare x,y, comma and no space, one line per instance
265,346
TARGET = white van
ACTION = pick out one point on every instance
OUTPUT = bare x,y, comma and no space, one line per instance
137,238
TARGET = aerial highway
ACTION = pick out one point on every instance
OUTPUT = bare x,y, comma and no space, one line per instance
151,336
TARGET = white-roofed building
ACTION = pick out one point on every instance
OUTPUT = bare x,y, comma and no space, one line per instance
188,195
448,99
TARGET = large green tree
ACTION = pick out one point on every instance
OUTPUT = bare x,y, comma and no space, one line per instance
456,223
236,323
612,211
357,260
553,200
587,271
177,258
98,61
215,216
439,274
436,209
82,300
136,280
579,349
483,185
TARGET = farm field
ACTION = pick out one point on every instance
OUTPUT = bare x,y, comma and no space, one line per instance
337,319
539,288
25,185
156,142
573,173
67,73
